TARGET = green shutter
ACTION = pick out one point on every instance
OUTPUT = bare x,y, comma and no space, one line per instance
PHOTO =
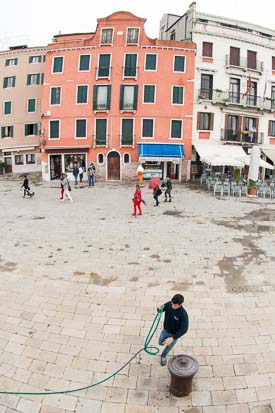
13,81
2,132
5,82
135,97
6,64
16,60
30,59
37,79
95,98
31,105
42,78
7,108
11,131
109,97
28,80
39,59
26,130
35,129
121,98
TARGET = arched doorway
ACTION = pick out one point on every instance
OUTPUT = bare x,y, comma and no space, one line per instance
113,165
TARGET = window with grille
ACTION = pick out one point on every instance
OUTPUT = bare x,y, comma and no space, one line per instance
177,98
84,63
176,129
101,132
127,132
82,94
58,64
147,128
81,126
56,95
150,61
207,49
149,94
132,35
107,36
54,129
102,97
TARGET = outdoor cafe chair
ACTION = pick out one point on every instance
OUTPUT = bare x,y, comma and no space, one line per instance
243,190
236,189
226,188
218,188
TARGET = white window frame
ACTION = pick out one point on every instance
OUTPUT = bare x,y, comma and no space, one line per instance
183,95
132,44
29,98
63,65
55,104
18,154
49,129
36,75
7,114
126,163
151,70
12,61
141,131
76,92
102,109
124,61
36,56
110,68
75,127
107,125
174,58
181,130
107,44
155,92
79,58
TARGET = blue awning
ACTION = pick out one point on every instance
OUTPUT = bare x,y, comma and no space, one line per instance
160,151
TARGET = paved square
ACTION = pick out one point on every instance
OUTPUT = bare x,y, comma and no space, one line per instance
80,283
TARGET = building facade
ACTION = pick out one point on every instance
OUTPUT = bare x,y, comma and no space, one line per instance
234,94
118,99
22,73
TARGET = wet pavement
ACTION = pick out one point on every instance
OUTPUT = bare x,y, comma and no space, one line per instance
81,282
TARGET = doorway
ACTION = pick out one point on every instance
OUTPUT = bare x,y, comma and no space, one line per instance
55,166
113,165
8,164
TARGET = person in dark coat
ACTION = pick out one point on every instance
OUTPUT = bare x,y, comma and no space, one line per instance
75,173
156,193
175,325
26,186
168,190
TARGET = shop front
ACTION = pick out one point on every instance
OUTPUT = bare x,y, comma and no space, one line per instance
161,160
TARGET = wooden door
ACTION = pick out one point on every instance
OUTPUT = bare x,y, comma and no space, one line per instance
113,166
8,167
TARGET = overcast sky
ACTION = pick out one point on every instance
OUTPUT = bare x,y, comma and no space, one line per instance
35,22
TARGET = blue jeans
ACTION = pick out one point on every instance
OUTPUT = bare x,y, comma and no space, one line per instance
163,335
92,180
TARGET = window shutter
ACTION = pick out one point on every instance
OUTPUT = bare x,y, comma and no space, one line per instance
109,97
135,97
39,59
26,130
251,59
211,123
13,81
35,129
42,78
15,61
235,56
28,80
30,59
44,58
121,97
11,131
37,79
95,98
5,82
6,64
198,120
2,132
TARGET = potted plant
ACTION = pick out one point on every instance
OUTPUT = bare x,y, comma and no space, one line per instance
2,167
252,188
237,175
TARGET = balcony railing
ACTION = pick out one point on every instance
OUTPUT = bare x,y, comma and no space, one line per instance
235,98
242,136
244,64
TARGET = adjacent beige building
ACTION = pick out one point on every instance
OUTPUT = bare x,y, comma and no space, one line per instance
22,77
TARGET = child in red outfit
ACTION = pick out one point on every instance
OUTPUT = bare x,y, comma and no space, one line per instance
137,200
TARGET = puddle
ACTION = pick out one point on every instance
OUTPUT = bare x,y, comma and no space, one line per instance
38,218
167,261
134,279
152,285
154,256
181,286
98,280
133,263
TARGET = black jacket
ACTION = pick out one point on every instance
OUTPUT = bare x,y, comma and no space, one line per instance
175,321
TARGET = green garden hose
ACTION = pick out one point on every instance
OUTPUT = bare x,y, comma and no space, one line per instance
152,350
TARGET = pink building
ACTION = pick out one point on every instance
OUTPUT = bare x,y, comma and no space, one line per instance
118,99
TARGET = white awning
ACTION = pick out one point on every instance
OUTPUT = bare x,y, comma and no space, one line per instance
269,151
19,148
218,154
263,164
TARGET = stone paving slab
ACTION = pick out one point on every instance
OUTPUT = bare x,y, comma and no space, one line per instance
81,282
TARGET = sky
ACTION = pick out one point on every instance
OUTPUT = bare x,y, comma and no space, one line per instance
35,22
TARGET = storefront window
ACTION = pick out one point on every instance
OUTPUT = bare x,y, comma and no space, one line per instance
78,159
152,168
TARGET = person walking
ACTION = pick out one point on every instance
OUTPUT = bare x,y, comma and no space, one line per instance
62,186
75,173
175,325
168,190
156,193
26,186
137,200
91,171
67,188
80,172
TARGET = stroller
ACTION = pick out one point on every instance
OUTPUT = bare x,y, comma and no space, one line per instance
27,190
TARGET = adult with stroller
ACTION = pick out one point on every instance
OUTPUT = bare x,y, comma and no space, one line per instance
26,186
